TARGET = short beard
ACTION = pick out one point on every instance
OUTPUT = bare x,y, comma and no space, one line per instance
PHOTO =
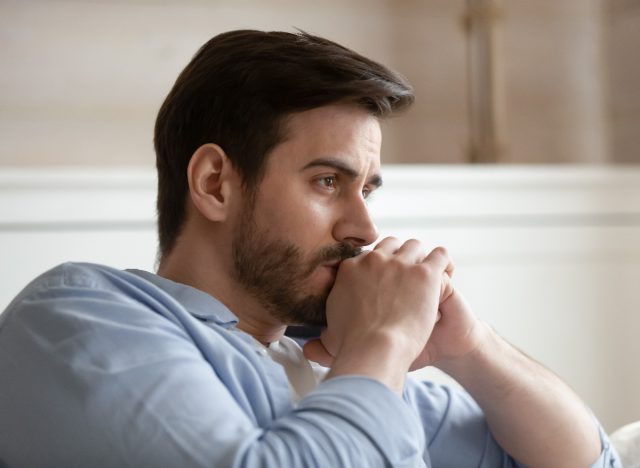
274,272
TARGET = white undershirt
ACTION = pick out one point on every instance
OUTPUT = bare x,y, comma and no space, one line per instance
303,375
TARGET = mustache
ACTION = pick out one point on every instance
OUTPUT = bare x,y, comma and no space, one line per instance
331,253
340,252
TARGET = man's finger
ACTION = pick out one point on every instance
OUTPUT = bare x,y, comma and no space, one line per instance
411,251
388,245
439,259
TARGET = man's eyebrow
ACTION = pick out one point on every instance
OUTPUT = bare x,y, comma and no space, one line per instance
341,166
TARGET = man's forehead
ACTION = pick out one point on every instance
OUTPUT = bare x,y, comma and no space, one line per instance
345,135
340,116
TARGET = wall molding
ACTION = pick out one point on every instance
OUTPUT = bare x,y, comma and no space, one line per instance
477,210
440,193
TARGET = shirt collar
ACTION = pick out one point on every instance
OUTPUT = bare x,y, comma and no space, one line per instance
198,303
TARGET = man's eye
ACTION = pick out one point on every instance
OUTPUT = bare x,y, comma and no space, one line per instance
328,182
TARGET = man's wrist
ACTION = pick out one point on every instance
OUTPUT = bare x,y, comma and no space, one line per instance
383,357
485,345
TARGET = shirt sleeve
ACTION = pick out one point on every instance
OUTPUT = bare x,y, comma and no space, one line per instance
609,457
457,434
92,377
339,423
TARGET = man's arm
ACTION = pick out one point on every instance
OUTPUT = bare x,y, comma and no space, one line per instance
534,416
102,368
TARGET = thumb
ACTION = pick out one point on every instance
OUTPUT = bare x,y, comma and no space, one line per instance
315,351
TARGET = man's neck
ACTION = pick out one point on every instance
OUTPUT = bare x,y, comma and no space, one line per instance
190,266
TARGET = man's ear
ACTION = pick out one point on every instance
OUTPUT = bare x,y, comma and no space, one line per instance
212,179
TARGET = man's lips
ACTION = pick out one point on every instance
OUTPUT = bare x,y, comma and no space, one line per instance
334,265
332,268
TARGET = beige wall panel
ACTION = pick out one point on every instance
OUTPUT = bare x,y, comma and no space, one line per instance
623,40
91,139
430,49
556,101
81,80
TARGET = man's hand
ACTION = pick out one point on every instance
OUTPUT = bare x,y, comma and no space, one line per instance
393,309
382,310
457,333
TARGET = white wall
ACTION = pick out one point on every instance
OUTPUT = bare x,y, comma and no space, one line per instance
549,256
50,216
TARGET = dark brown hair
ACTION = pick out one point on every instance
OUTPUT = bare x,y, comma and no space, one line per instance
236,92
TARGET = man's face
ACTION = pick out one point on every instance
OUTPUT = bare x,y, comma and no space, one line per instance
309,212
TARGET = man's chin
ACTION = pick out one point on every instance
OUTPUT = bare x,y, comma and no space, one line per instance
310,312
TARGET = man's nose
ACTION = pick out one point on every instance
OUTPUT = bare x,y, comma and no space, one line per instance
356,227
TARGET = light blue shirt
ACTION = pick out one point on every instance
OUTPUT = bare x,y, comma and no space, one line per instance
108,368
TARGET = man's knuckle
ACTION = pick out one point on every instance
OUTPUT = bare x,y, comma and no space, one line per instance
423,271
441,251
413,241
375,257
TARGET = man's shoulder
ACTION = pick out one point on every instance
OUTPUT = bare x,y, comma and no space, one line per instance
78,276
74,296
89,289
82,282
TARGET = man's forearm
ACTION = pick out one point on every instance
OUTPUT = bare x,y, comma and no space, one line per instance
534,416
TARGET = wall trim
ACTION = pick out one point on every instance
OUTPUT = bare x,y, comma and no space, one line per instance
425,194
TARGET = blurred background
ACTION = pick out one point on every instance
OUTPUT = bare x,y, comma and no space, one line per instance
510,81
520,153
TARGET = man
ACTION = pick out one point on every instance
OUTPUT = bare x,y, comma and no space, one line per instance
267,149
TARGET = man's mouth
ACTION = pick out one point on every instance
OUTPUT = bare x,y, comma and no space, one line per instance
331,258
331,268
334,265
